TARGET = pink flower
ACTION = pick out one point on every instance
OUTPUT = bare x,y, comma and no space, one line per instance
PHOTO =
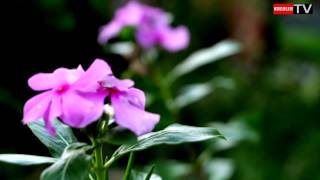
129,104
77,98
69,94
152,27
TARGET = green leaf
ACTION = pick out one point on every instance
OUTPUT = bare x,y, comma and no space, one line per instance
129,167
195,92
118,136
74,164
205,56
58,143
25,159
173,134
191,94
149,175
138,175
127,33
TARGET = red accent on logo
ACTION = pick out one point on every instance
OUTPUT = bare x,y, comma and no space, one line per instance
282,8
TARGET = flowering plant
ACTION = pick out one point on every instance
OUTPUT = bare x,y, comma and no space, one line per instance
152,27
75,98
109,111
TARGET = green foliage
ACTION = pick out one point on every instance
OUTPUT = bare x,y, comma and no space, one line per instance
56,144
127,174
236,131
276,76
74,164
127,33
203,57
173,134
138,175
118,136
25,159
149,175
195,92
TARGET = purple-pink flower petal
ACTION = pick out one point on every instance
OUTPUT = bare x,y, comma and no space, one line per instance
132,117
55,108
90,80
147,37
152,27
80,110
136,97
42,81
109,31
130,14
174,39
67,76
36,107
54,111
48,124
77,98
73,95
112,82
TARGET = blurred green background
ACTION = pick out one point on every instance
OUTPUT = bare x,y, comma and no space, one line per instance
265,100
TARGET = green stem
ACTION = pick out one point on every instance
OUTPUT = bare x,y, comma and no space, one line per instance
101,171
164,87
129,167
109,162
165,90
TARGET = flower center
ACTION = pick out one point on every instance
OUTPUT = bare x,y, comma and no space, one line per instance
62,89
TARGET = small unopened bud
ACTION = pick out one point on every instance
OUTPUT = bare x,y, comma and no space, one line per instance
109,110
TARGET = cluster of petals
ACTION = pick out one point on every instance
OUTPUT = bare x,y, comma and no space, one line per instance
152,27
77,98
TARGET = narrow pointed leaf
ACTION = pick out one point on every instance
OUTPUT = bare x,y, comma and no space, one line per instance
129,167
25,159
58,143
191,94
173,134
74,164
138,175
205,56
194,92
149,175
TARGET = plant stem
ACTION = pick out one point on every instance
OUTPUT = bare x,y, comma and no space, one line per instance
100,171
165,90
109,162
129,167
